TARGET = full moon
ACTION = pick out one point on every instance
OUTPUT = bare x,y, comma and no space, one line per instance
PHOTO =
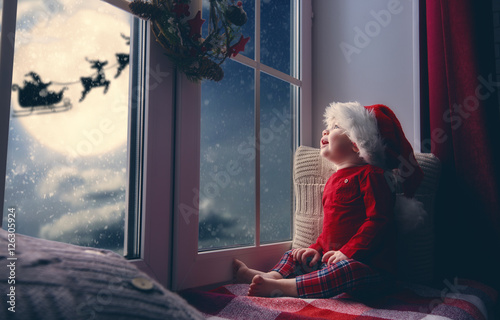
60,48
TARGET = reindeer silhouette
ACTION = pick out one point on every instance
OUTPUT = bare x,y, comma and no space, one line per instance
99,81
123,61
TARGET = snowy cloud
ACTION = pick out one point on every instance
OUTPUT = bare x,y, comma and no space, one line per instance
80,188
96,202
101,226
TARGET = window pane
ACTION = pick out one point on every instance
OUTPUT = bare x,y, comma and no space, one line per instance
227,173
276,147
67,152
275,34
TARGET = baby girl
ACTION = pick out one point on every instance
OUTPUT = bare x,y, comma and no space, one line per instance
355,252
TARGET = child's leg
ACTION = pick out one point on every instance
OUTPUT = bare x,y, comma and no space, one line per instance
344,276
243,274
286,267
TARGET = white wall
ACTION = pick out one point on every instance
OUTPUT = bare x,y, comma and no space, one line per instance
357,56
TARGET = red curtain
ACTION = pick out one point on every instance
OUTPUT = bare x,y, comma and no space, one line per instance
462,128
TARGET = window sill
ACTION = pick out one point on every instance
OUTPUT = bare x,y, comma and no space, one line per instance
216,266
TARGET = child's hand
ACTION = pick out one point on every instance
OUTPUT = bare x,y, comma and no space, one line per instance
333,256
303,254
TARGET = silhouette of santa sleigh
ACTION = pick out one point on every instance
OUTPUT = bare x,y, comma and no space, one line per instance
35,97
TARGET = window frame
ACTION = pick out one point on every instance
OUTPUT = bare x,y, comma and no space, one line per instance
190,267
9,16
157,94
159,142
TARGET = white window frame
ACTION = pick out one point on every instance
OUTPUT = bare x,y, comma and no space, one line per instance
158,98
190,267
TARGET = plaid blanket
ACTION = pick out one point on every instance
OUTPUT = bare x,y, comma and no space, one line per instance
458,299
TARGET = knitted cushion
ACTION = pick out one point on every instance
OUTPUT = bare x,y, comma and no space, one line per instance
61,281
415,248
310,174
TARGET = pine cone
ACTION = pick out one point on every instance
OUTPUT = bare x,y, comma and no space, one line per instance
236,15
210,70
145,10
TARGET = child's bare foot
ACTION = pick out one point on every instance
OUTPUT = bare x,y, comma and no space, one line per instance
243,274
265,287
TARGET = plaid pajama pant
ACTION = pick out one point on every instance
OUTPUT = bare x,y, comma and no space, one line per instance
324,281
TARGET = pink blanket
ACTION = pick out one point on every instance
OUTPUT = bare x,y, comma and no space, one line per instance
457,299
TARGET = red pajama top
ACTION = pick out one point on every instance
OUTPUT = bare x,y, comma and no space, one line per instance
358,207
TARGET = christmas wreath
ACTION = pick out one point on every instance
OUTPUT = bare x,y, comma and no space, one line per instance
197,57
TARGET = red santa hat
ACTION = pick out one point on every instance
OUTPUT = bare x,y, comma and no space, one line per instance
380,138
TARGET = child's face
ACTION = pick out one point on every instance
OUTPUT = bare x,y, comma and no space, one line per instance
336,146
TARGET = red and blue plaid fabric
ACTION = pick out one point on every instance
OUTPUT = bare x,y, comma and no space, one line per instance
324,281
289,268
349,276
469,300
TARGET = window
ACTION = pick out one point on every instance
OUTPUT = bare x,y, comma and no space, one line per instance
241,133
68,169
229,202
146,231
229,155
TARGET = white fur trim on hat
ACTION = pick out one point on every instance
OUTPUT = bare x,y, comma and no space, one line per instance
409,214
360,126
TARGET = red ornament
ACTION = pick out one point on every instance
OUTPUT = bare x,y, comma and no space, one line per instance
195,25
239,4
239,47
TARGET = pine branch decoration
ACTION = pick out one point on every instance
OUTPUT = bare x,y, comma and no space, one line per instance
197,57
